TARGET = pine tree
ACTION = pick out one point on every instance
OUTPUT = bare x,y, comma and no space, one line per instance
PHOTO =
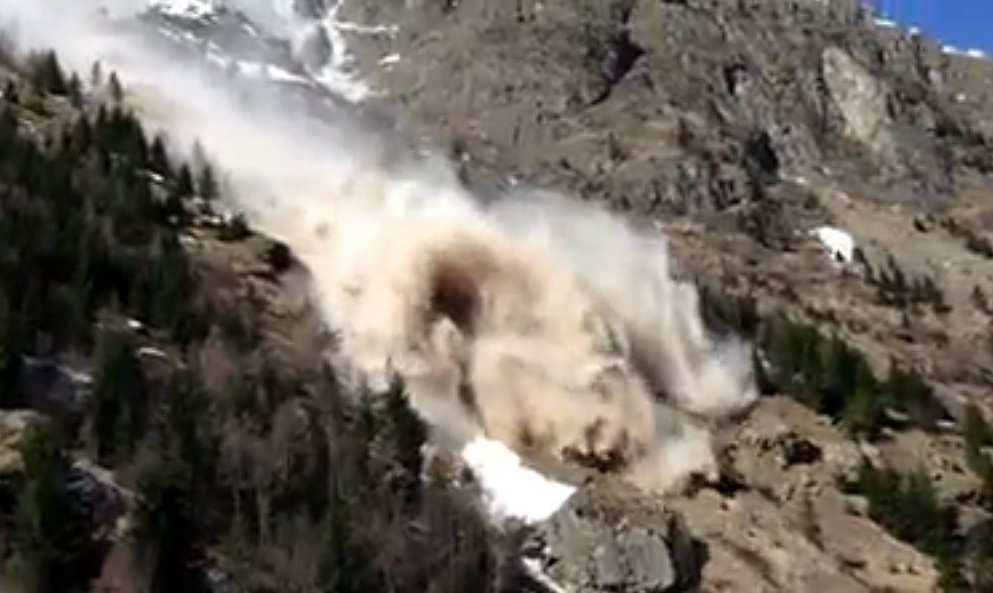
96,75
158,157
404,434
166,521
115,88
74,90
175,478
184,187
53,530
47,74
346,566
119,401
207,186
862,412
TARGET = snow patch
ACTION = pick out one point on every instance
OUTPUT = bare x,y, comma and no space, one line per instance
340,74
265,71
187,9
389,59
968,53
511,490
839,243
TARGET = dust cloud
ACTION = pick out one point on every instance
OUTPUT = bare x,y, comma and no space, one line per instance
534,319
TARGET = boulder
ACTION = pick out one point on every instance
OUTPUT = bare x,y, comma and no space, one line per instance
14,425
612,537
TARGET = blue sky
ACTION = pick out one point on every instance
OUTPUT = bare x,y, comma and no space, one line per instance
962,23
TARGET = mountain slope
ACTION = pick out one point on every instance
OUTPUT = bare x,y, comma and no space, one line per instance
740,127
204,444
736,128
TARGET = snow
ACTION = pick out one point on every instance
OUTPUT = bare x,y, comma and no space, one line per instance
968,53
510,489
150,352
268,72
339,74
389,59
838,242
190,9
536,571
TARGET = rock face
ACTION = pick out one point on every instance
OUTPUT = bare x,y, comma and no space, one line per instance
609,537
693,107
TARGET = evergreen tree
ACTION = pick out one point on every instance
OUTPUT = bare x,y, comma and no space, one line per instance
47,74
96,75
166,521
119,400
74,90
207,186
184,187
158,157
53,529
346,566
115,88
174,483
403,434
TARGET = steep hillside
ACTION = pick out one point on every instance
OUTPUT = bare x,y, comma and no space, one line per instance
738,128
167,419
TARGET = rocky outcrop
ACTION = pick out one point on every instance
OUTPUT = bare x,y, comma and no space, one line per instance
93,487
14,425
609,537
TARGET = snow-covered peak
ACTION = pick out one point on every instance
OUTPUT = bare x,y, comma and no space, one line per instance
511,490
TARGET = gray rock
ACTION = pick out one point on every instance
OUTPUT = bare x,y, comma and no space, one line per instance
589,96
610,537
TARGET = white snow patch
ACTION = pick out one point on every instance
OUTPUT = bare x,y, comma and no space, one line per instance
190,9
510,489
339,74
889,24
268,72
974,53
390,30
839,243
389,59
536,571
151,352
